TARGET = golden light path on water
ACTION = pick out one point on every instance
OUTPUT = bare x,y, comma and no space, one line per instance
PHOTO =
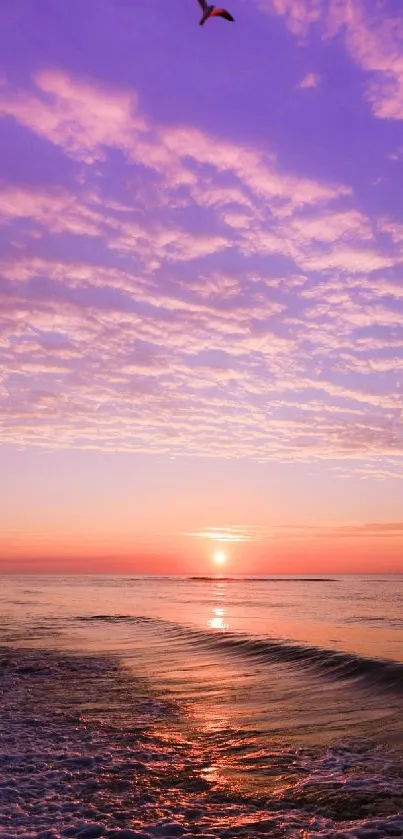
217,620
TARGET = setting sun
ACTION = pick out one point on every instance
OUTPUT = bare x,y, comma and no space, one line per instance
219,557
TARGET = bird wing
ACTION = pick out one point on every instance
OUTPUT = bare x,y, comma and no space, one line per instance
203,4
221,13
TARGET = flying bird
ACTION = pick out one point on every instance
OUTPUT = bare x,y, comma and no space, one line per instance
211,11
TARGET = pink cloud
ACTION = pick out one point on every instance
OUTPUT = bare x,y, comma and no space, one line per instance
137,353
85,119
372,38
169,399
81,117
309,81
300,15
57,210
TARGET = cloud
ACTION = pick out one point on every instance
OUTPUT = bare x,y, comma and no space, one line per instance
300,15
309,81
85,120
264,209
57,210
372,36
258,206
299,532
134,369
204,302
233,533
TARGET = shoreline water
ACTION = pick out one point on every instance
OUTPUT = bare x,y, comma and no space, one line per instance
172,709
88,750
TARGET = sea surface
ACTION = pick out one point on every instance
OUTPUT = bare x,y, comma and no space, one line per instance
204,706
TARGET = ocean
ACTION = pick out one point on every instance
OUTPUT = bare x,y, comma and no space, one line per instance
201,707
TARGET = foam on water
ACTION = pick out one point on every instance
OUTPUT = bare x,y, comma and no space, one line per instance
89,751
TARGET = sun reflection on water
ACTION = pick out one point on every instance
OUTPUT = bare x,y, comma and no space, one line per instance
219,595
217,620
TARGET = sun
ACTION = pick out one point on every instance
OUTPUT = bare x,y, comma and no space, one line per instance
219,557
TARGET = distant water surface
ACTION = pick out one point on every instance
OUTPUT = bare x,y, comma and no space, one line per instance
357,614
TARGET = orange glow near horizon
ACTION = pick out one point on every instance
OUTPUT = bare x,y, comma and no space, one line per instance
328,552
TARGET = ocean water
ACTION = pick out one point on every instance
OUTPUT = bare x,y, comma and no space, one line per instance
201,706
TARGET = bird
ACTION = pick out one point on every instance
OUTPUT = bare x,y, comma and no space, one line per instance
211,11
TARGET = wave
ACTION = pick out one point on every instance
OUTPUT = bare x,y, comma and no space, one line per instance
382,673
219,579
118,619
342,666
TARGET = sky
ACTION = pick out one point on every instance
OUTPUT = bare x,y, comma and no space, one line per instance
201,287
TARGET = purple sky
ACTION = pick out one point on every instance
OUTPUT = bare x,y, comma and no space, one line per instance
201,293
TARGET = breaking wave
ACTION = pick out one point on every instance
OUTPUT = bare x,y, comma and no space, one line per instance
382,673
